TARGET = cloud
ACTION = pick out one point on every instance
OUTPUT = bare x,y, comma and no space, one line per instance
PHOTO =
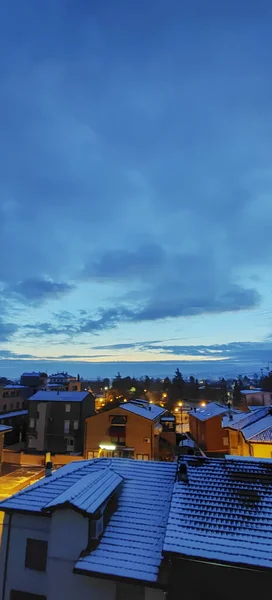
121,264
39,290
8,354
7,330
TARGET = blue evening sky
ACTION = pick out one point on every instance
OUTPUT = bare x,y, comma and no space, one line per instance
135,180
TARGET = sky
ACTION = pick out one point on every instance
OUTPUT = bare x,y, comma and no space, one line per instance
135,184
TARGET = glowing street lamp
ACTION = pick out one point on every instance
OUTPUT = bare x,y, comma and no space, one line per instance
107,447
203,404
164,395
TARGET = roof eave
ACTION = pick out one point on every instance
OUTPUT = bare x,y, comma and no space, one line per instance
154,584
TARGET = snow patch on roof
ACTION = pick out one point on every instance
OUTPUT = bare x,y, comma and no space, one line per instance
143,409
61,396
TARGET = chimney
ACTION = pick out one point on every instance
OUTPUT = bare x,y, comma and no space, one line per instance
48,469
230,411
149,408
183,473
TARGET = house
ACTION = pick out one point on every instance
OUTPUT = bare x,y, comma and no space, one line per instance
63,381
36,381
17,420
93,529
14,397
219,532
113,529
131,430
205,425
4,429
255,397
56,420
251,435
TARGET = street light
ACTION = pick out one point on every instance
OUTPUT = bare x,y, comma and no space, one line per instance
164,395
203,404
180,403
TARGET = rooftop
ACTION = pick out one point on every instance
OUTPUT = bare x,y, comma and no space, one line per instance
223,513
254,391
15,386
59,396
143,409
5,428
209,411
15,413
131,545
260,430
249,418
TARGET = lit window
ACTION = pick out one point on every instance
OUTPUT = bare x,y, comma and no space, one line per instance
75,424
67,407
31,423
66,426
142,457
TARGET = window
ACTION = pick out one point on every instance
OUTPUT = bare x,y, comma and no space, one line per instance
75,424
31,423
4,407
142,457
66,426
67,407
36,554
225,441
11,406
17,404
17,595
91,455
69,444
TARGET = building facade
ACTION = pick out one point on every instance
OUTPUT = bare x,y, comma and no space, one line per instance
56,421
205,425
132,430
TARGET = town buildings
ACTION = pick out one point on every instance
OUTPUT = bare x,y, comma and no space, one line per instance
64,382
4,430
35,381
205,425
114,529
251,433
131,430
255,397
56,420
14,397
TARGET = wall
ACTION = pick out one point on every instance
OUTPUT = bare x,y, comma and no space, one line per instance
19,577
67,535
261,450
137,428
37,460
257,399
205,581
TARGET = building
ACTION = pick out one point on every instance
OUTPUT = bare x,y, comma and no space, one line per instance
17,421
64,382
56,420
94,529
205,425
36,381
251,435
4,430
131,430
219,531
14,397
255,397
114,529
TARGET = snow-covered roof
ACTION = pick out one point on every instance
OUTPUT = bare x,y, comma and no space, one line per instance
14,386
249,418
60,396
143,409
223,513
253,431
5,428
255,391
236,415
33,374
131,545
15,413
89,493
209,411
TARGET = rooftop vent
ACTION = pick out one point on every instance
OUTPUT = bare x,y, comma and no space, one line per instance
183,473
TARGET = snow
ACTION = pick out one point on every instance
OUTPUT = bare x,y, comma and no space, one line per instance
249,418
15,387
90,492
253,430
5,428
223,513
211,410
16,413
149,411
48,396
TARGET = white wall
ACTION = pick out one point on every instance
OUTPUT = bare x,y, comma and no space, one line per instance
67,535
18,576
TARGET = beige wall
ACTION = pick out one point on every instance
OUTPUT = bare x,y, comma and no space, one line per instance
137,428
